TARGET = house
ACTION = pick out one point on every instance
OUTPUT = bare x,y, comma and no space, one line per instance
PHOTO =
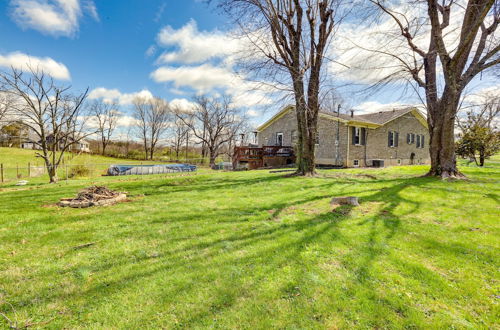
77,146
18,134
384,138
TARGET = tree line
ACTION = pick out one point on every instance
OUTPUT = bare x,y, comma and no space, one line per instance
60,119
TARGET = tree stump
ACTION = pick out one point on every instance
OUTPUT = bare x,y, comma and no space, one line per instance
346,200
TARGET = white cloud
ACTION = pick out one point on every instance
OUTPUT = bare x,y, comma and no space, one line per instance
183,105
358,48
194,46
91,9
23,62
252,113
202,78
480,96
151,51
126,121
111,95
52,17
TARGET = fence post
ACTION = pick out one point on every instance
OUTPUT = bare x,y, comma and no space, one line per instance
1,171
66,166
17,171
29,170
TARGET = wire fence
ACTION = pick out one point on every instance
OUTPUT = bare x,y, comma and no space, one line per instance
23,173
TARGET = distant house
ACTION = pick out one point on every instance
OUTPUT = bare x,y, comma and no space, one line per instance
77,146
384,138
18,134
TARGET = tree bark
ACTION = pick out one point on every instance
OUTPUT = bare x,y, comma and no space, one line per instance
52,171
442,139
212,159
305,160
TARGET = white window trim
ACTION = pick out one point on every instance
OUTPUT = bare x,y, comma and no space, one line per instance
354,161
357,134
282,137
393,136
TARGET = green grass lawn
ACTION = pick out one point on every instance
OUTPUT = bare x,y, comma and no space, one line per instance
257,250
15,162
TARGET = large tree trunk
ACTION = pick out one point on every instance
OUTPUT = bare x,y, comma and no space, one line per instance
212,159
442,143
306,141
52,171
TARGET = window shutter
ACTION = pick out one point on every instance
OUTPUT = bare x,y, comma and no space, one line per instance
422,143
353,129
389,139
363,136
396,139
408,138
418,141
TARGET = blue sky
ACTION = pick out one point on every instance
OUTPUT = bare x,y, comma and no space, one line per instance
121,48
109,51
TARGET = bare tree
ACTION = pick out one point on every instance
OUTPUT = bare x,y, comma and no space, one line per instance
6,102
180,132
214,122
444,67
106,116
152,119
292,37
50,111
484,111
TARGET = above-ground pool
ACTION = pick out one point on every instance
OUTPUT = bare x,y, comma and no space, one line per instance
149,169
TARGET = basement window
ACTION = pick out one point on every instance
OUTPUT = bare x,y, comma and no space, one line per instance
355,162
399,161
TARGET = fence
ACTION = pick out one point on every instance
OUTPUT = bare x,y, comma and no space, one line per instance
38,173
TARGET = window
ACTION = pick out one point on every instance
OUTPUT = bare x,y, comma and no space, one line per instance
358,136
410,138
355,162
279,139
295,136
392,140
420,141
317,139
399,161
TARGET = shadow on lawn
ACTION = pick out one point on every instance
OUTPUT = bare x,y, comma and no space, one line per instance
255,256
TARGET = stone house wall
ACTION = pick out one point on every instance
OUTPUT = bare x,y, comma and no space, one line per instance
376,146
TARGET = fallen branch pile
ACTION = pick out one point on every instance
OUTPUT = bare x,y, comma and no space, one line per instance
93,196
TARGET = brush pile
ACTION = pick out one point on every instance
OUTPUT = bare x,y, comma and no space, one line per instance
93,196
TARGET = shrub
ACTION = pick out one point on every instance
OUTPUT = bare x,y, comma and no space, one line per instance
79,171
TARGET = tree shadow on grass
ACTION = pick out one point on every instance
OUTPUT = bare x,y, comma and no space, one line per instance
267,245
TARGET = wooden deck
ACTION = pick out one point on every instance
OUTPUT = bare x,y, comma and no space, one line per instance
261,157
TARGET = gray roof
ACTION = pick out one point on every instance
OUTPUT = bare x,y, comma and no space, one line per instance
380,117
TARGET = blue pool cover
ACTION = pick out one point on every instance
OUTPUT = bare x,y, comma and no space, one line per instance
149,169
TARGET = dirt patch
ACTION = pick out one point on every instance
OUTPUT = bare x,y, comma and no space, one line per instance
94,196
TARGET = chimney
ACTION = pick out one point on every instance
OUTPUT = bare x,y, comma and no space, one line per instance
352,113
